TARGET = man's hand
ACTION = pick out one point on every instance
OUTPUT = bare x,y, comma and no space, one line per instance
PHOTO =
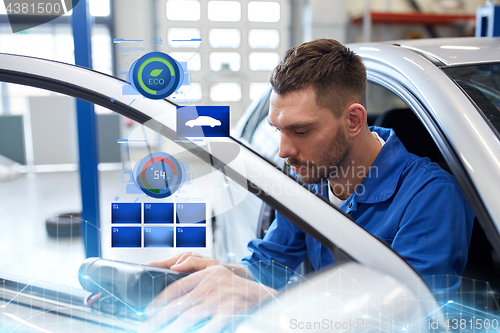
187,262
214,293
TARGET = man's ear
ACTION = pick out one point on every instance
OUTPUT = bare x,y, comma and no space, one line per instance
356,114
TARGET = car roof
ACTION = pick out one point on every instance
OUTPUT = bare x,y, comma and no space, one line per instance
455,51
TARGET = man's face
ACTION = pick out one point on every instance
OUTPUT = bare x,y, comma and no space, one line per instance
313,141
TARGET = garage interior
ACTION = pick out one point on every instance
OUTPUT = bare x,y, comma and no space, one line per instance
39,161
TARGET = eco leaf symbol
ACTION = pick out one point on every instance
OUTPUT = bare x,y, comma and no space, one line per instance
156,72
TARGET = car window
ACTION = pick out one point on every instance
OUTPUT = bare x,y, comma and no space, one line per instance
386,109
265,108
266,141
380,100
261,109
482,85
262,137
39,181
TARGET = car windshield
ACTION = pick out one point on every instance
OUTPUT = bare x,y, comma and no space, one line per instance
481,82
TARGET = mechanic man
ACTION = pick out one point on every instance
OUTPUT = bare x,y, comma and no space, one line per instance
318,104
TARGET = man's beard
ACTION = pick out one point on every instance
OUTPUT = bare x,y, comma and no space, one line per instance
332,159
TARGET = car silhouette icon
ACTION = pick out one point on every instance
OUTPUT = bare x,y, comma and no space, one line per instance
203,121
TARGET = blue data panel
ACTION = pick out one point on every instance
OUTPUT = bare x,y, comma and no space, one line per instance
126,237
126,212
159,237
159,212
191,237
203,121
191,212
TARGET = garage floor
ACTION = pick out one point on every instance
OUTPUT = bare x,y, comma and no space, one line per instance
25,248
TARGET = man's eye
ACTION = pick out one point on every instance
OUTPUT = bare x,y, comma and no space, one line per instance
300,132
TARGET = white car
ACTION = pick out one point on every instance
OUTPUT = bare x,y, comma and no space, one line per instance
203,121
444,84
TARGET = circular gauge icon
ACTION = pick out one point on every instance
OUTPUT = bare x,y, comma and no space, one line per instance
156,75
159,175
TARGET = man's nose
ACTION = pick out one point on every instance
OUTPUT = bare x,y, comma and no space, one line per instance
287,149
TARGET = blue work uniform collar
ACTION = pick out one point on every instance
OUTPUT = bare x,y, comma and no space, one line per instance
383,176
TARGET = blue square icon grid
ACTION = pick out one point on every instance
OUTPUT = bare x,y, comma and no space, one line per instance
186,232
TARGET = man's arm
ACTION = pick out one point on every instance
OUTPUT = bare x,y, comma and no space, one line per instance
434,234
274,258
272,262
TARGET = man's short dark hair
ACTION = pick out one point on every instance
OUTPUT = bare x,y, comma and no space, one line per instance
337,75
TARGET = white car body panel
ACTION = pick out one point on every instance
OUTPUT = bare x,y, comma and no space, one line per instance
456,51
373,303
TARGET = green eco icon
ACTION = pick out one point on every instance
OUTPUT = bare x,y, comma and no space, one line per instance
155,72
156,75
